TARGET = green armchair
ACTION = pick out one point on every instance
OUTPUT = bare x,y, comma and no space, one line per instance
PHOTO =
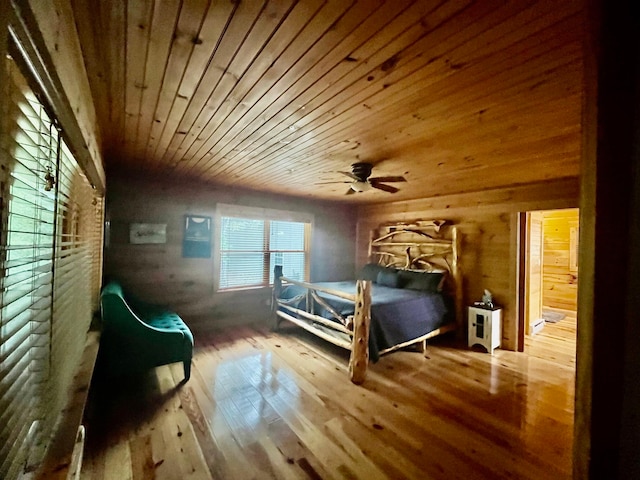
138,336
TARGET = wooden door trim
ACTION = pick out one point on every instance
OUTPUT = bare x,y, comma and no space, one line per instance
522,279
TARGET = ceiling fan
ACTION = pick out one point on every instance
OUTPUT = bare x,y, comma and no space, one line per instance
361,179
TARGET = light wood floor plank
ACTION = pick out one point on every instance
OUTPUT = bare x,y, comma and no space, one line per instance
264,405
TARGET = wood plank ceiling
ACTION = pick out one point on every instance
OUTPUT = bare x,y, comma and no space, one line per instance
280,95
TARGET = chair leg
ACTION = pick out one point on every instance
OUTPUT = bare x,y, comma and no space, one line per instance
187,369
424,349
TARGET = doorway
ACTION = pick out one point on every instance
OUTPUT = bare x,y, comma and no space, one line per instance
549,279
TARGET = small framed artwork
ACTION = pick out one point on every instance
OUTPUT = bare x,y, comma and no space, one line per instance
197,237
145,233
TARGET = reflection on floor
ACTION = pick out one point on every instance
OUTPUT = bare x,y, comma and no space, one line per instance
265,405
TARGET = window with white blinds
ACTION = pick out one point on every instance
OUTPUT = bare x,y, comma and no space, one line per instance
287,242
50,261
250,248
77,268
29,148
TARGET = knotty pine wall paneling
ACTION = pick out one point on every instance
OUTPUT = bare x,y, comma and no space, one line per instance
560,280
4,33
158,273
487,222
56,21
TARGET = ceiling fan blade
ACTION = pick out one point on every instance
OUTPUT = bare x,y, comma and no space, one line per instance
350,175
386,188
351,191
329,183
387,179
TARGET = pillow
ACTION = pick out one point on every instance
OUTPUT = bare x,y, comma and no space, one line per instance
370,272
424,281
388,278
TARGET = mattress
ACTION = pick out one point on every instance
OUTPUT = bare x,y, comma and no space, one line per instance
397,315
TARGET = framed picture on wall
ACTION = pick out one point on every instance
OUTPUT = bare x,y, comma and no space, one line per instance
197,237
144,233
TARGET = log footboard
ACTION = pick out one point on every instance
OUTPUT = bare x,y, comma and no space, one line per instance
351,333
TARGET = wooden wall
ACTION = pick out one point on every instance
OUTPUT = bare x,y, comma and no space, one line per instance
560,280
56,23
159,273
489,226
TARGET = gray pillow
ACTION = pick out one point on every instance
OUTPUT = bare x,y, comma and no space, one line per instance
424,281
388,278
370,272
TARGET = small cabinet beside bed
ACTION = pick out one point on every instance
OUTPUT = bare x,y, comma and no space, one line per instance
409,292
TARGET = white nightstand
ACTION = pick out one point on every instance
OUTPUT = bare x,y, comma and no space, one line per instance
485,327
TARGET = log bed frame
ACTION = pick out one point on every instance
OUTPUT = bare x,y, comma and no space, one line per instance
432,246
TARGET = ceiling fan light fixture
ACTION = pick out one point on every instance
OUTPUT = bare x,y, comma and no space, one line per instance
360,180
360,186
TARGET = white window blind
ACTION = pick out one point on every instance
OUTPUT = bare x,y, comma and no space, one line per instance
250,248
75,289
287,248
29,147
50,261
242,252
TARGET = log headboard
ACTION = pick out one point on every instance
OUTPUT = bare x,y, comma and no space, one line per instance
425,245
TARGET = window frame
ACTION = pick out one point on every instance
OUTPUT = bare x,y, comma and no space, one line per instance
267,216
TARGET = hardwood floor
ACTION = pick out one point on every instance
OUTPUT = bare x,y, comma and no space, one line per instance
266,405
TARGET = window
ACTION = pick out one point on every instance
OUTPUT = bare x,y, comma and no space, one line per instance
250,246
286,245
50,265
29,147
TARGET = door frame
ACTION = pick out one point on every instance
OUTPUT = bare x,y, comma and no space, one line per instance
524,230
522,300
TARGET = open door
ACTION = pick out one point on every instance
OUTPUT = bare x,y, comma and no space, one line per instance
533,278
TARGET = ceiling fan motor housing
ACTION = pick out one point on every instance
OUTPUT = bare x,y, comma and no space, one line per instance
362,170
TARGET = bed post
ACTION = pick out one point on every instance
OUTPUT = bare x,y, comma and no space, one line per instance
359,359
455,271
372,237
277,290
